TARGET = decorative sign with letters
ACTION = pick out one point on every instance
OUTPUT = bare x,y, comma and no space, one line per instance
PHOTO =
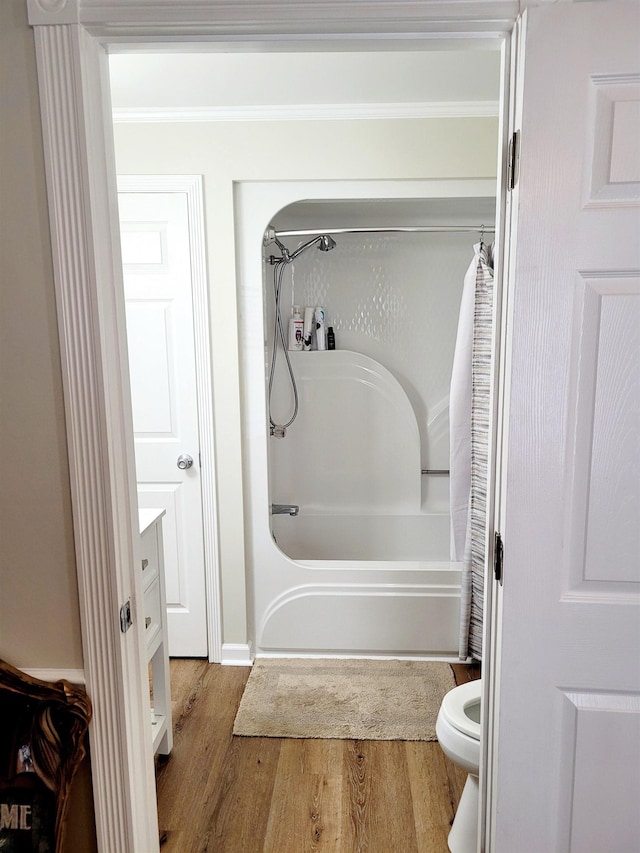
41,746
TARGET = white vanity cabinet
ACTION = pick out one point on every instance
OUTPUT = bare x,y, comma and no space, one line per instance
155,619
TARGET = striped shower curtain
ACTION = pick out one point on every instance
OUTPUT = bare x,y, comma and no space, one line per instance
469,416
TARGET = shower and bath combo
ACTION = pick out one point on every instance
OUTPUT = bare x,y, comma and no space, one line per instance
324,243
346,534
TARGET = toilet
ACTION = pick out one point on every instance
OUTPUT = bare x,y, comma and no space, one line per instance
458,732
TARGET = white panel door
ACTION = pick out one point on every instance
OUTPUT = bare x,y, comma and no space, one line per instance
568,762
157,280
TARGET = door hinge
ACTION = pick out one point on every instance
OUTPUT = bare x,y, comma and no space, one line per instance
497,557
513,167
125,617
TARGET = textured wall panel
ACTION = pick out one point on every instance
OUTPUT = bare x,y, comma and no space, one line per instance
395,298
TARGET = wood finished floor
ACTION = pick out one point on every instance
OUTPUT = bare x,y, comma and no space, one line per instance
271,795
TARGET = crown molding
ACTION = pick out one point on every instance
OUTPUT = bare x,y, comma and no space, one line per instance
307,112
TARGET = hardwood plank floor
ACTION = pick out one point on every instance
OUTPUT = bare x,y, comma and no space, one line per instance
271,795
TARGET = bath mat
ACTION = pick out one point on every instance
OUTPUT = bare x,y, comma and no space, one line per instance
343,699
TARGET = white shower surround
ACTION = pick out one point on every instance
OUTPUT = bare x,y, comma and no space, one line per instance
395,298
354,447
406,606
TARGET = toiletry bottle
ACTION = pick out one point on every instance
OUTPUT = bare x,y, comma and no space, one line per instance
308,327
295,329
321,336
331,338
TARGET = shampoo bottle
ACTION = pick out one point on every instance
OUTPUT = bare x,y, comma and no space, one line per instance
296,324
321,336
308,327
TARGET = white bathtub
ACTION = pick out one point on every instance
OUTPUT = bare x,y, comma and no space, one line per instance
420,538
361,585
364,568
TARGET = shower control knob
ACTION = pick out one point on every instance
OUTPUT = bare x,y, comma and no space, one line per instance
185,461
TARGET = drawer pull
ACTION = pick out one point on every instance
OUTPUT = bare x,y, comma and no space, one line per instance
147,621
145,563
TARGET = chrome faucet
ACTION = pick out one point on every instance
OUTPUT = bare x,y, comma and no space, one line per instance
285,509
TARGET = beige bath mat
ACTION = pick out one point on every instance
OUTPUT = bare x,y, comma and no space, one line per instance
344,699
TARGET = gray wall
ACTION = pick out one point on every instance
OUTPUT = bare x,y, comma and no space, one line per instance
39,617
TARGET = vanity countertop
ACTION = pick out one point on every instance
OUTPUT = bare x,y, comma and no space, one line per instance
147,516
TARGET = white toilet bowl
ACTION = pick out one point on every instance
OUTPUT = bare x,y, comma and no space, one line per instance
458,732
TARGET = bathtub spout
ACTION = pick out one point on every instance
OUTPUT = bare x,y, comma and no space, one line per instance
285,509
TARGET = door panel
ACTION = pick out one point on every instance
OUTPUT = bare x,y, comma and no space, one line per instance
153,389
157,279
568,761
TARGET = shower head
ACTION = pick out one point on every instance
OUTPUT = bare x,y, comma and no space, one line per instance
326,243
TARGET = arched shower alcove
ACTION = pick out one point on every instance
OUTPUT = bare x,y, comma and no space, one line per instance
364,565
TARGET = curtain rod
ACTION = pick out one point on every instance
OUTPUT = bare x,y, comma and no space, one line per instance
436,229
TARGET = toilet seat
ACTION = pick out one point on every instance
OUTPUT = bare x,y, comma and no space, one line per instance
458,702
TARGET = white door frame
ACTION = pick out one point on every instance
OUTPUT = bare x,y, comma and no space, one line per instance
191,186
72,38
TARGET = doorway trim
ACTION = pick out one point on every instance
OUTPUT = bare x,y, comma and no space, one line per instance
191,186
72,38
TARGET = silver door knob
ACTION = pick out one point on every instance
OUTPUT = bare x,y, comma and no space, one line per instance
185,461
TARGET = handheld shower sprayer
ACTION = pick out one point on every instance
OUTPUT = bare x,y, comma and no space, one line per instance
325,243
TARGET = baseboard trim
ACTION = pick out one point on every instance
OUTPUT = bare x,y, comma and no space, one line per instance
332,655
236,654
74,676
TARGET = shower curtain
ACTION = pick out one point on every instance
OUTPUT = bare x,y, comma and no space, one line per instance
469,409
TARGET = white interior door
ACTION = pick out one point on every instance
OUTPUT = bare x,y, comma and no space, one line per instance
157,280
568,762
